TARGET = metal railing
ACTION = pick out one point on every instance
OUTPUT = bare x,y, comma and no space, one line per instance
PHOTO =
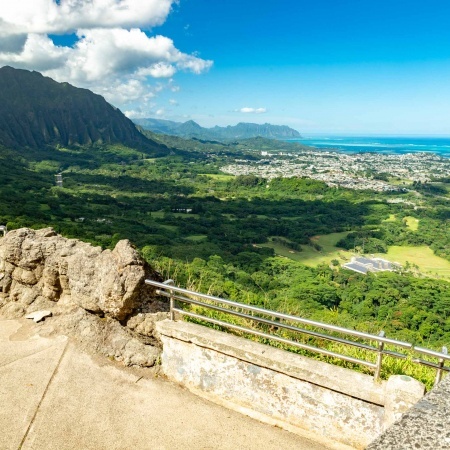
277,321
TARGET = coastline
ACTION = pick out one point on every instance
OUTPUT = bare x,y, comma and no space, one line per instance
398,145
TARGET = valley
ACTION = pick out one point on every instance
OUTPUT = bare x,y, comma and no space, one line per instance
255,220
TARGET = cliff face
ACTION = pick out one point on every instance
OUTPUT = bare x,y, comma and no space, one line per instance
37,111
91,293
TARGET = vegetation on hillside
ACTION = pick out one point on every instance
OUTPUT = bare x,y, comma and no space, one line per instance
37,111
277,243
213,232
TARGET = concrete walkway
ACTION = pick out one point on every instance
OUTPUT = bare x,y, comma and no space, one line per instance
53,396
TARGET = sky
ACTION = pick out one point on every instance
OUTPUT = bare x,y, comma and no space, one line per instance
324,66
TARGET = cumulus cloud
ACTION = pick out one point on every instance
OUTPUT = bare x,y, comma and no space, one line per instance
247,110
158,70
51,17
37,53
112,55
101,53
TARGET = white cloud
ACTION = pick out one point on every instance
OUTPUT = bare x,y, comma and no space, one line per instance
248,110
173,102
38,53
48,16
111,55
158,70
125,91
134,114
101,53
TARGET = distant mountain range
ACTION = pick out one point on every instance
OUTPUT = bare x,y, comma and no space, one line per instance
36,111
242,130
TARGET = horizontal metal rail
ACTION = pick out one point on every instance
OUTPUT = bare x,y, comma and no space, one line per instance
275,324
267,312
167,289
278,339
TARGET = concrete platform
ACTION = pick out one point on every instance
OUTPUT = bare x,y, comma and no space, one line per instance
53,396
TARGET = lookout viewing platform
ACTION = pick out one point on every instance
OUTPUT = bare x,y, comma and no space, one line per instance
108,362
54,396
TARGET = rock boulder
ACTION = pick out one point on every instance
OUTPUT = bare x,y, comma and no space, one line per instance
45,267
89,293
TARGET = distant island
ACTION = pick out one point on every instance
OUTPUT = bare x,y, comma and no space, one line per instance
242,130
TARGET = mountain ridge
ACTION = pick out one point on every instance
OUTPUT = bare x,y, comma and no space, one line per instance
243,130
36,111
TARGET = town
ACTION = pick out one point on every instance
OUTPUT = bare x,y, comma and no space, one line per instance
368,171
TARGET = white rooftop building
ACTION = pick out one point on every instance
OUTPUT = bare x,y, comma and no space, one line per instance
363,264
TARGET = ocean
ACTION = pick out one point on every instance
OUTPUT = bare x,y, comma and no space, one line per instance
379,144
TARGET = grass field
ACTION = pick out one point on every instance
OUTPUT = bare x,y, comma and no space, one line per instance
412,223
218,176
170,227
391,218
312,257
196,237
428,263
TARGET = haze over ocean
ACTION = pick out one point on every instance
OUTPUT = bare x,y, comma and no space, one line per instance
380,144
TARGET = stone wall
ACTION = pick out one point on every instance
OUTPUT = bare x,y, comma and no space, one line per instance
285,389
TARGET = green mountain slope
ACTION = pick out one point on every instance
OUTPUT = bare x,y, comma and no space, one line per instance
36,111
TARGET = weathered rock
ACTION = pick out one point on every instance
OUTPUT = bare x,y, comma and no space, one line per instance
144,324
101,335
104,282
86,290
13,310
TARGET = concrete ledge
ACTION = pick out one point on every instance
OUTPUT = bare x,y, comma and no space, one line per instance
281,387
335,378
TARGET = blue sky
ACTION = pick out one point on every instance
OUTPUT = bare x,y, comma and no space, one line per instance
324,66
341,66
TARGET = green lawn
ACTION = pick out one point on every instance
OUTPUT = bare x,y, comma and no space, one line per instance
412,223
169,227
428,263
196,237
219,176
391,218
312,257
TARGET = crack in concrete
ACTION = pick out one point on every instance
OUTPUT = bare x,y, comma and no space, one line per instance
43,395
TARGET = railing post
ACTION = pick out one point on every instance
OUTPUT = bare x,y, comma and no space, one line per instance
377,375
439,371
172,300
